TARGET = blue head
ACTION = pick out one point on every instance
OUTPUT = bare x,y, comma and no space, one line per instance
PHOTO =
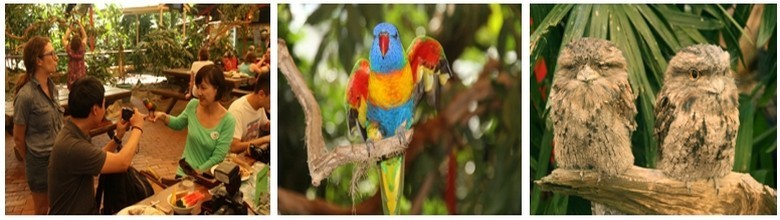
387,52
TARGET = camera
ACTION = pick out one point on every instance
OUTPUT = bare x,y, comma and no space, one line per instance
227,198
260,154
127,113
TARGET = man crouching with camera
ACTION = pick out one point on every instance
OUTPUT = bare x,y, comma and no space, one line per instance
75,161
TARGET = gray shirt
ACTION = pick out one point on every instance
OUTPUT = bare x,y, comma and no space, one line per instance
73,165
41,114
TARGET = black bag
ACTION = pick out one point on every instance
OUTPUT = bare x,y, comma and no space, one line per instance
120,190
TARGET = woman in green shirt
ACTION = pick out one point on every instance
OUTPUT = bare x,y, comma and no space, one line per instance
209,125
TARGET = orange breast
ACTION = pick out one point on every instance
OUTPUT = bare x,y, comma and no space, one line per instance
391,90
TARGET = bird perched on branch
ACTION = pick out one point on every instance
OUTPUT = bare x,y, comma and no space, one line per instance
697,115
383,91
592,110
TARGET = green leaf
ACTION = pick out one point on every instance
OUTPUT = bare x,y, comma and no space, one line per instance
658,62
542,165
696,36
322,13
599,24
768,24
737,25
659,26
771,132
770,90
760,175
354,29
560,203
373,13
678,18
347,55
553,19
623,36
744,147
771,148
578,21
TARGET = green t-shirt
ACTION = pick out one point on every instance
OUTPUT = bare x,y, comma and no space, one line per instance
204,147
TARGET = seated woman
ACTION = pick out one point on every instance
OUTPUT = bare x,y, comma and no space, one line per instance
249,67
230,61
203,60
209,125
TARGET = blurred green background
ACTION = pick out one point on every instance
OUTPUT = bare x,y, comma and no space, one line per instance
483,146
649,35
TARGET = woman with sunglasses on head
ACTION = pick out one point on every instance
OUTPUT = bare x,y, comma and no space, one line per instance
38,117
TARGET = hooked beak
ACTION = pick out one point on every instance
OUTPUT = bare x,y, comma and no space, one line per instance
587,74
384,42
717,87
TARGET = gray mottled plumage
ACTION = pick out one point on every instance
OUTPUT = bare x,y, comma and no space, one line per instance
697,115
592,109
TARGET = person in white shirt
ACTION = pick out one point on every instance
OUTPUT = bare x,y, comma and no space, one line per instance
250,114
203,60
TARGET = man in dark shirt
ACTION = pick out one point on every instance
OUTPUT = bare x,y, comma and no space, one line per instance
75,161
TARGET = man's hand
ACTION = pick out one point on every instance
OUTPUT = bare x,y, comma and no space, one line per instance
121,128
137,119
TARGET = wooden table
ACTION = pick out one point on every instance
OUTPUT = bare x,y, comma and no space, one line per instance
111,94
182,74
181,77
161,198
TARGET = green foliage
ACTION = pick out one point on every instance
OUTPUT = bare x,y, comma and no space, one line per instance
232,13
163,50
43,20
99,67
219,47
491,145
649,35
111,37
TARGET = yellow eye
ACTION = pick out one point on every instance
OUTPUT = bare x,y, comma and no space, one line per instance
694,74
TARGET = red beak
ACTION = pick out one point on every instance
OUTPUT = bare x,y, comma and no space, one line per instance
384,41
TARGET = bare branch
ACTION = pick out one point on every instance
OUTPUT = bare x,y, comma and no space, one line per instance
291,202
648,191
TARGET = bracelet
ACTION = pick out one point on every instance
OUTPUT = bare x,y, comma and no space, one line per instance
139,128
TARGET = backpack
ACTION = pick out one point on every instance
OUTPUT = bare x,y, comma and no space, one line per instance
120,190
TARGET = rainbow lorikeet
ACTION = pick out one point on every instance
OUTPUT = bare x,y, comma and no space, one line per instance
383,91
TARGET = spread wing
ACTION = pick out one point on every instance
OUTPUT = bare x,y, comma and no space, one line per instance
357,95
430,68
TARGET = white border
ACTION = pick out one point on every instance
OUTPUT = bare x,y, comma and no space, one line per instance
525,77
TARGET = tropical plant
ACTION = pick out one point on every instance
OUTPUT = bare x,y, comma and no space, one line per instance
649,35
111,39
23,21
163,50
